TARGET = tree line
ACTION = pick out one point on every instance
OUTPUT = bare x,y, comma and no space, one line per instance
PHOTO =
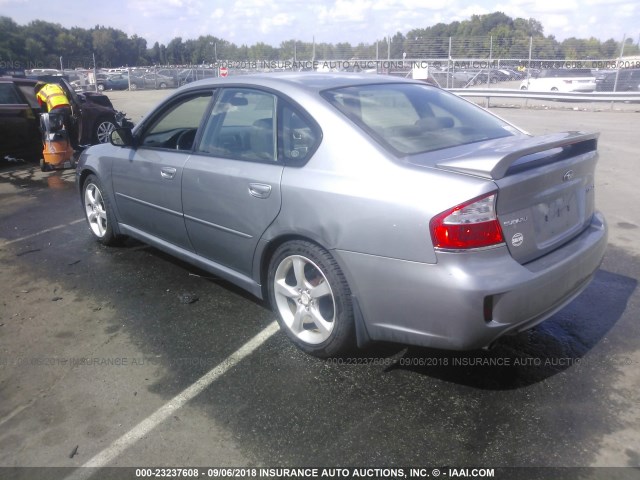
41,44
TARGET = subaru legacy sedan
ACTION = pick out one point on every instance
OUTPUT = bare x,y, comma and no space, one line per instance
361,207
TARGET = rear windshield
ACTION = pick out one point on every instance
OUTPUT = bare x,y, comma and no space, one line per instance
410,118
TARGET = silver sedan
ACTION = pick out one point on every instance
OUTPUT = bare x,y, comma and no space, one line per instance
362,207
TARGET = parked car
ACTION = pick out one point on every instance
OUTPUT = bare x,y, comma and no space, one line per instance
118,81
152,80
20,116
453,79
512,74
561,80
189,75
494,76
627,81
12,72
362,207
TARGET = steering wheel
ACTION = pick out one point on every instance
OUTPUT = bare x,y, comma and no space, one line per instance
185,139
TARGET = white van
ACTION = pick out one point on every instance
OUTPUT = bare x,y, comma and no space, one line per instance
561,80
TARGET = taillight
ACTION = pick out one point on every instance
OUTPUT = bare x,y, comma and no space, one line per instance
473,224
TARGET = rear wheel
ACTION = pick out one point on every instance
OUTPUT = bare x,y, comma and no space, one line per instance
312,298
98,212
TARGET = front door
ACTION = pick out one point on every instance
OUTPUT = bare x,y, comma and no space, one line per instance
147,180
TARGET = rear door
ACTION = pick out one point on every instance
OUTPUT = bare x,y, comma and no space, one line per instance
231,184
18,123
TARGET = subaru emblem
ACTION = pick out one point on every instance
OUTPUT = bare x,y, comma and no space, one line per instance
567,176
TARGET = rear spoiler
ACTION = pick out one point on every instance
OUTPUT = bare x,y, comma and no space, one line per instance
494,158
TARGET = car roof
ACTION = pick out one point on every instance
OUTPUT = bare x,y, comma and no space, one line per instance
302,81
20,80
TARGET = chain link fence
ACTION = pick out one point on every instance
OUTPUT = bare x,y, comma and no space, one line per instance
450,62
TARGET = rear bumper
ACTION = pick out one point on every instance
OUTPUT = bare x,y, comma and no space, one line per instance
467,300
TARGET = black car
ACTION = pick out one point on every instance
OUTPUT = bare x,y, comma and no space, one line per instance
20,135
19,119
628,81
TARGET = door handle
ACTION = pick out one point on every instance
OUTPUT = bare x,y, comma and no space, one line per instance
260,190
167,172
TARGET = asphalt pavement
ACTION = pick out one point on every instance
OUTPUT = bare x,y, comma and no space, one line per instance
95,341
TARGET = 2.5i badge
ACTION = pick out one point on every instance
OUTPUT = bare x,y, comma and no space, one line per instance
517,239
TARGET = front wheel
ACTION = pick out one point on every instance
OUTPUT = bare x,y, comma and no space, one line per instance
98,213
312,298
103,129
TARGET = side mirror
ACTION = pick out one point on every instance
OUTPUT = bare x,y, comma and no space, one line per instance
122,137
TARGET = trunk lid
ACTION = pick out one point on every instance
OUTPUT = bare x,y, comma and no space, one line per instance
545,187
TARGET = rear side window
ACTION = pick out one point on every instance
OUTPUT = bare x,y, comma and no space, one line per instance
8,95
408,119
242,126
300,136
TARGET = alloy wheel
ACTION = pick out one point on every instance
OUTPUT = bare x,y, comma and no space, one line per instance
304,299
95,210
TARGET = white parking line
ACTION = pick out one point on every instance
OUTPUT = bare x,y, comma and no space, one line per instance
152,421
27,237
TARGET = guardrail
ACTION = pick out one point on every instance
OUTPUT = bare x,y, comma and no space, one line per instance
488,93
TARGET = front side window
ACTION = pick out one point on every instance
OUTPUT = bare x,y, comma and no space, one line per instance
408,118
242,125
176,127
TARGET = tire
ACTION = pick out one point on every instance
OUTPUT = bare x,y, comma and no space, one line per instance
99,213
162,85
133,87
102,130
554,89
100,87
312,298
44,167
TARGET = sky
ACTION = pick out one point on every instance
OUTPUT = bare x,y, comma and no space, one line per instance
331,21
